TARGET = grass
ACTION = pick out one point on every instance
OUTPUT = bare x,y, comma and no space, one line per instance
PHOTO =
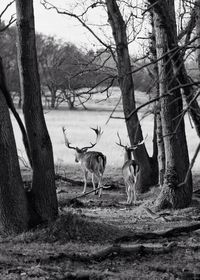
78,123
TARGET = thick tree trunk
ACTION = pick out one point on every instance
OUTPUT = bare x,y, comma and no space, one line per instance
173,129
13,203
166,11
43,193
146,176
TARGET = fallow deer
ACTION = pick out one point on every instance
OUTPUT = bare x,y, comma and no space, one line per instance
91,161
130,170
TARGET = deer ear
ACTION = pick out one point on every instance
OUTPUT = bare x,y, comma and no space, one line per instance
136,168
84,150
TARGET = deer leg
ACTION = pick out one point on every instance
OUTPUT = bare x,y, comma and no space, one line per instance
100,185
131,195
93,183
128,193
85,180
134,193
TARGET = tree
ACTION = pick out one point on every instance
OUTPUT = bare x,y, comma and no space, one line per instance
14,216
66,71
9,53
173,128
42,196
119,51
148,169
166,11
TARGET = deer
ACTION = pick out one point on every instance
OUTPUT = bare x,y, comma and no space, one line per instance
130,171
91,161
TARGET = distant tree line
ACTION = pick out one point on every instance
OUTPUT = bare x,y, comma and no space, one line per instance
67,73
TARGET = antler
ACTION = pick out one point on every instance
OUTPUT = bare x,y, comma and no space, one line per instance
67,143
139,143
98,133
120,142
134,147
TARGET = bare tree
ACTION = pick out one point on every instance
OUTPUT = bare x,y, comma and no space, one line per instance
148,172
176,153
43,193
14,215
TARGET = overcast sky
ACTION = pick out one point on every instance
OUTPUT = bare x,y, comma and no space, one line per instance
62,27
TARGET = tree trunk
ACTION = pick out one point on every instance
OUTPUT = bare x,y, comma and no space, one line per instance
43,192
198,34
160,142
166,11
53,99
146,176
173,129
13,203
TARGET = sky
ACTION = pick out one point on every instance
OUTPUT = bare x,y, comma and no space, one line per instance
60,26
63,27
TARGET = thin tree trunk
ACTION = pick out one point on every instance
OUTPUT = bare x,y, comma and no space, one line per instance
43,193
53,99
160,142
13,203
198,34
173,129
146,176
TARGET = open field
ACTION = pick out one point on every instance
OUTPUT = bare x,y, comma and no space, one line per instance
78,123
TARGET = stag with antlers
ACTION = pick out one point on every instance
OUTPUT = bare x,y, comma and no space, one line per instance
91,161
130,170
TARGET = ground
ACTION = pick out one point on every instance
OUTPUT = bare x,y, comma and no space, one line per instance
68,248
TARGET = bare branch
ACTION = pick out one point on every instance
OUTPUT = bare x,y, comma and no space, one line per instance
187,177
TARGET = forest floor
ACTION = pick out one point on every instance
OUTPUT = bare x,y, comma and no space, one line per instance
82,243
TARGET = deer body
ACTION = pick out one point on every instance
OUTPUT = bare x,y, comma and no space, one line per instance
130,170
91,161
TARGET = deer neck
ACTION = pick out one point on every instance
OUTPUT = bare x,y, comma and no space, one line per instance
127,155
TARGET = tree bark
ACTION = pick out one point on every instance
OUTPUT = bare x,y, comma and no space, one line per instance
13,204
160,142
173,129
198,34
43,193
146,176
166,12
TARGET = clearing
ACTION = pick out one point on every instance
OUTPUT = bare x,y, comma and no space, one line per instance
82,244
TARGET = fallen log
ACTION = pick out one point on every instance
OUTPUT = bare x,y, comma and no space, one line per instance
80,183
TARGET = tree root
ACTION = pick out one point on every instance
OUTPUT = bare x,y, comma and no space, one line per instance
156,235
113,251
181,274
154,215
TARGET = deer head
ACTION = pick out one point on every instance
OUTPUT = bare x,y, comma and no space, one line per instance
79,152
128,149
